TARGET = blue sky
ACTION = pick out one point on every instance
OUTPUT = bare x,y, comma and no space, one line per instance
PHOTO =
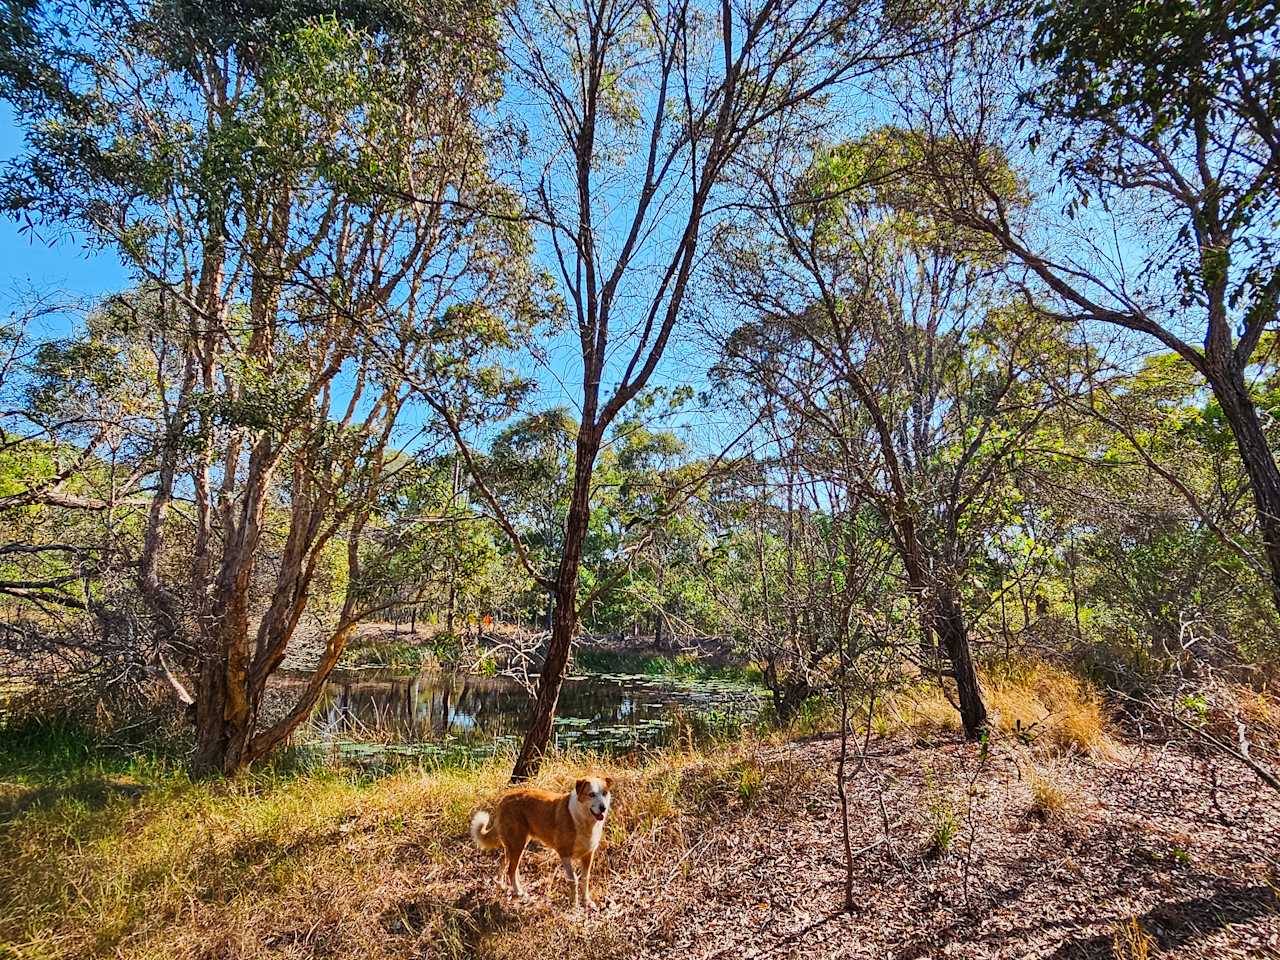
49,262
59,261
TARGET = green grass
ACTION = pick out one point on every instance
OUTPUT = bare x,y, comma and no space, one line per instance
44,752
942,817
404,656
680,666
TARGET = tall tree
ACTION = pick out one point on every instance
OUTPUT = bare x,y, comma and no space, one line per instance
638,117
880,329
1160,123
251,166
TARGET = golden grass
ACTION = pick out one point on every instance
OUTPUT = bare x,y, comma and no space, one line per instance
328,863
1051,796
1130,942
1058,710
1260,712
140,863
1033,701
922,708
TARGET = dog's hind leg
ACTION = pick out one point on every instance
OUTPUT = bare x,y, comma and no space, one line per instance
513,869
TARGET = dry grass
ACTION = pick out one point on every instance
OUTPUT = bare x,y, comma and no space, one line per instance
1130,942
329,863
1051,796
1260,712
922,709
1033,701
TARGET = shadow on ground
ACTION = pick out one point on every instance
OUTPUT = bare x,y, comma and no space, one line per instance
93,792
1181,922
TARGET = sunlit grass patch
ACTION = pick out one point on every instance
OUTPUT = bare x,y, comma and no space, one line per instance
137,861
1049,706
681,666
1032,701
921,708
1129,941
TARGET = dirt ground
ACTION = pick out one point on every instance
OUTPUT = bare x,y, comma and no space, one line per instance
1155,852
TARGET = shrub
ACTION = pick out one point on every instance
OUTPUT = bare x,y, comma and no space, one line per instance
923,709
943,819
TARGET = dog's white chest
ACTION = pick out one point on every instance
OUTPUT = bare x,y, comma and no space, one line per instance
589,841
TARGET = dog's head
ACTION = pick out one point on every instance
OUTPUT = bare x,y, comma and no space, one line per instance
595,794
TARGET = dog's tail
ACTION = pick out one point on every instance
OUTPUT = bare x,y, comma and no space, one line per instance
482,831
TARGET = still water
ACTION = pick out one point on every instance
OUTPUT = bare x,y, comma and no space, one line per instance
362,714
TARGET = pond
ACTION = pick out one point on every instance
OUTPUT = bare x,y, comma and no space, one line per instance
361,715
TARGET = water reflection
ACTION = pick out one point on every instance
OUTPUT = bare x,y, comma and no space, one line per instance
602,711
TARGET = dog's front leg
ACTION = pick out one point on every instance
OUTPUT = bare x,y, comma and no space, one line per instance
571,872
587,902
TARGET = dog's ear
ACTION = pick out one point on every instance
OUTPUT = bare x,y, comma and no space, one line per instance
608,784
581,787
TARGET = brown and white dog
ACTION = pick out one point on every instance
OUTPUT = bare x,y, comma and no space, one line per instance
569,823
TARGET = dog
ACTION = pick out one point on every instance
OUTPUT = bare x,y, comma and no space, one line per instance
569,823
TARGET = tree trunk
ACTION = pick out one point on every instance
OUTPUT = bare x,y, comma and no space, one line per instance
221,734
1241,414
227,738
538,733
564,621
788,697
950,626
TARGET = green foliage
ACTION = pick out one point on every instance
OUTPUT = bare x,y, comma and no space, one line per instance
1149,102
433,551
303,158
683,666
1159,64
906,180
1153,577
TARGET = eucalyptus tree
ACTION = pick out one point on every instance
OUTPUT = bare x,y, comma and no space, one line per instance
635,118
652,525
799,557
74,457
882,332
251,165
73,453
1157,126
1153,518
435,554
